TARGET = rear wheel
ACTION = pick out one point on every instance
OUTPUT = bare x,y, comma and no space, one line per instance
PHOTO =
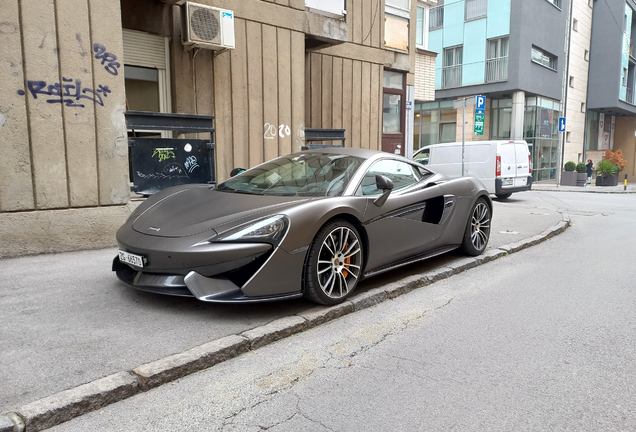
503,196
477,229
334,264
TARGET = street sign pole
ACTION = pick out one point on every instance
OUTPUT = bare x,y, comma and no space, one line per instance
463,134
560,150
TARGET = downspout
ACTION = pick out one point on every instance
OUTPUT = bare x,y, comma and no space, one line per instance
567,85
587,90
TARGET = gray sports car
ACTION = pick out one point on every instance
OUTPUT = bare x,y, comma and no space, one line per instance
310,224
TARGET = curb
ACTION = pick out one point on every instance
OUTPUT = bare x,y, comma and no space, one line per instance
68,404
629,191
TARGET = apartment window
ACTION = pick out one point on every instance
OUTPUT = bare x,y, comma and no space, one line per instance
624,80
586,56
421,33
575,25
436,16
582,107
572,82
557,3
452,67
590,3
543,58
475,9
497,59
567,137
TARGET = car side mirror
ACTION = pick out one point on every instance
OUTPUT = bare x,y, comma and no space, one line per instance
385,184
236,171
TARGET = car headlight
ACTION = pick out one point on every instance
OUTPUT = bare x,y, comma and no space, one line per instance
270,229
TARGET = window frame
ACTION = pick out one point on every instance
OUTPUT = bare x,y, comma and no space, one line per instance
544,54
421,28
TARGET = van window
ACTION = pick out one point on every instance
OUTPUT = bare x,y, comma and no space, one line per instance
422,157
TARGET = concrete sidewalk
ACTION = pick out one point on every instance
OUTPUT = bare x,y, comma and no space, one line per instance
591,188
75,339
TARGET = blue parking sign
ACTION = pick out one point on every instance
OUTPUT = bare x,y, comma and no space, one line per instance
561,124
480,103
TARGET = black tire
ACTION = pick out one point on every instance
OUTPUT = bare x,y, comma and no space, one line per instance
334,263
503,196
477,231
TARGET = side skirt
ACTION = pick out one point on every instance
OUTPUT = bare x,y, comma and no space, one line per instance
408,261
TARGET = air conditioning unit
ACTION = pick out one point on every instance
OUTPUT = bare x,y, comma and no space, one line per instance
207,27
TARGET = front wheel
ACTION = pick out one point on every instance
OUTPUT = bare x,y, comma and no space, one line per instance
334,264
477,229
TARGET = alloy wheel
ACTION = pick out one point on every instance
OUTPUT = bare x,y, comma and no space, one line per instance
339,262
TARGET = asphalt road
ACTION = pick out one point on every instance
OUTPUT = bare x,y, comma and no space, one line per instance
66,319
539,340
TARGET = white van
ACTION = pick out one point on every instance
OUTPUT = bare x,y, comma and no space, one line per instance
502,166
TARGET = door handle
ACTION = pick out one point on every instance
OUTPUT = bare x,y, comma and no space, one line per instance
519,167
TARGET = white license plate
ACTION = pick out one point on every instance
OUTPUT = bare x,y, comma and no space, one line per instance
508,182
128,258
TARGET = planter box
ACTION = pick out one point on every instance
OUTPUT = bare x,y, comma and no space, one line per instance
610,180
581,179
568,178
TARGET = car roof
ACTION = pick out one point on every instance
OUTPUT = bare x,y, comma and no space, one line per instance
359,152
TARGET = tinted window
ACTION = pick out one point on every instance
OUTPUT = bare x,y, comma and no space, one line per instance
310,174
401,174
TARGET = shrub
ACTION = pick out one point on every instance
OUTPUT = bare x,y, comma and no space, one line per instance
581,168
605,168
569,166
616,158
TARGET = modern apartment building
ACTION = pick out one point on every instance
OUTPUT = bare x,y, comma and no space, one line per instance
514,53
265,69
611,105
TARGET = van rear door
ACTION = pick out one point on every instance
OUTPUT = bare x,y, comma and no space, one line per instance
507,153
523,164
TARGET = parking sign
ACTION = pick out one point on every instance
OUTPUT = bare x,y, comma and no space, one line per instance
480,103
561,124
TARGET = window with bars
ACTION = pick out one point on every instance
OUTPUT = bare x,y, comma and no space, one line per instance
452,67
436,16
497,59
475,9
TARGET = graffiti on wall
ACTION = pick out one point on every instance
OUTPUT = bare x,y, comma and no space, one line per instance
270,131
164,154
108,59
70,92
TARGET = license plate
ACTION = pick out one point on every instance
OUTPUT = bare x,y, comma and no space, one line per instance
507,182
128,258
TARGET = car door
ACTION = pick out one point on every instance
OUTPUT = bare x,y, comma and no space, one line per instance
407,223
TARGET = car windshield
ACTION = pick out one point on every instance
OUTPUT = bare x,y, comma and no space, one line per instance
304,174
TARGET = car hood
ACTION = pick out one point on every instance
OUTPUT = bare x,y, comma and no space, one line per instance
195,210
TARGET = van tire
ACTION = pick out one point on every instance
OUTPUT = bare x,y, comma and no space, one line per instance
503,196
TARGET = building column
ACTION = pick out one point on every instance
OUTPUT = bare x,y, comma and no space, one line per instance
518,110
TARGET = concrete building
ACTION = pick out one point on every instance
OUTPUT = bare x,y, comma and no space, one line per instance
512,52
71,69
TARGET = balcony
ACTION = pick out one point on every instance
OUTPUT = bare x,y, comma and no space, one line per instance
436,17
497,69
452,76
476,9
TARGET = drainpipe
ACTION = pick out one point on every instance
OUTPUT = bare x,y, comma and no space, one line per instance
587,90
567,85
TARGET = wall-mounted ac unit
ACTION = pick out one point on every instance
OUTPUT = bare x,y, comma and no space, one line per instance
207,27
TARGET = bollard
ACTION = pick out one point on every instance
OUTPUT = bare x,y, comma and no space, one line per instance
625,187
